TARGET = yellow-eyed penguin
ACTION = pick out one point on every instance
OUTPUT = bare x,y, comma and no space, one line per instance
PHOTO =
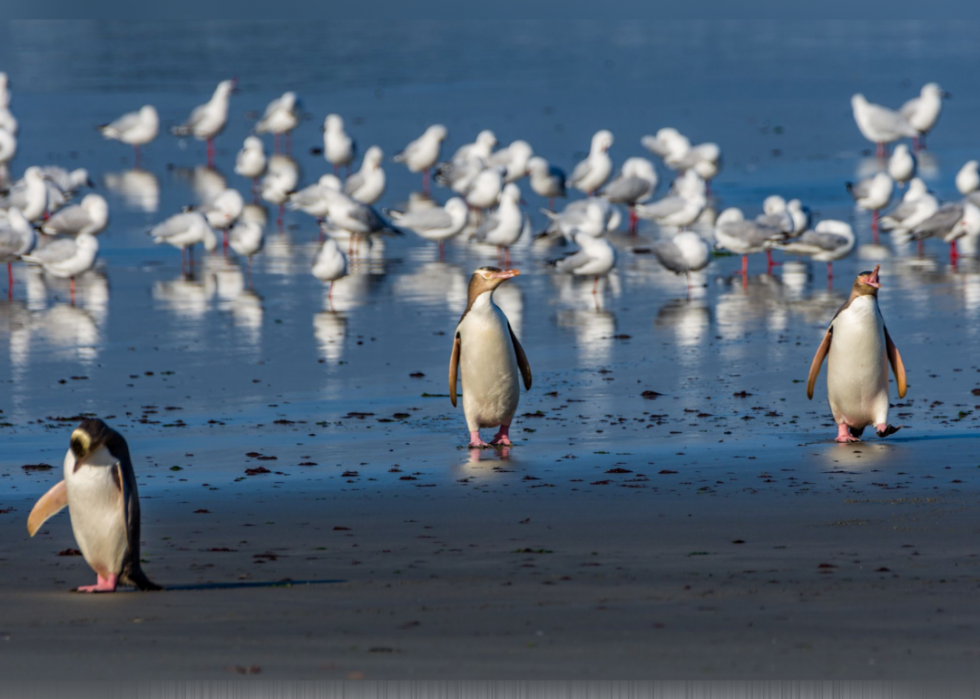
491,358
858,350
100,491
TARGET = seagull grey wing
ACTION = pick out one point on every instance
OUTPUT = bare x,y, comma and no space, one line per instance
175,225
653,145
501,157
488,225
581,171
68,221
625,190
822,240
662,208
353,183
58,251
940,222
909,108
426,220
573,261
887,120
126,122
10,243
669,255
368,218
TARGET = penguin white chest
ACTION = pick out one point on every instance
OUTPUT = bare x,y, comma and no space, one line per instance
488,366
97,511
857,367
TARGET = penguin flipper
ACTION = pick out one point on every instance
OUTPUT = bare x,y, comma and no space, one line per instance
818,362
50,504
454,370
522,362
895,359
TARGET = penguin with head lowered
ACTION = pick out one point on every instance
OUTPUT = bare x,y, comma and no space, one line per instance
858,350
100,491
490,358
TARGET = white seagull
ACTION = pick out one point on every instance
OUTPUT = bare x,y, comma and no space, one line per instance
635,184
514,158
683,253
184,231
923,112
437,223
367,184
902,164
250,161
547,180
423,153
281,116
330,264
596,257
67,258
951,222
590,174
873,194
506,224
90,216
828,241
917,205
880,125
338,146
17,238
134,128
208,120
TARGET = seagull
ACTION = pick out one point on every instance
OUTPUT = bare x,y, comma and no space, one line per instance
680,209
184,231
678,154
923,112
367,184
683,253
880,125
467,163
330,264
423,153
546,180
873,194
828,241
134,128
438,223
485,189
223,211
67,258
314,199
586,216
596,257
281,177
17,238
668,143
338,146
968,178
951,221
4,91
209,119
250,161
799,214
90,216
506,224
902,164
514,158
281,117
590,174
735,234
30,194
917,205
636,182
354,217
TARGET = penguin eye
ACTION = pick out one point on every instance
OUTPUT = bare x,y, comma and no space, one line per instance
77,447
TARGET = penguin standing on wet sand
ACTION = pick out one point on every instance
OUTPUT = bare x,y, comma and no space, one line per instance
858,349
100,491
491,358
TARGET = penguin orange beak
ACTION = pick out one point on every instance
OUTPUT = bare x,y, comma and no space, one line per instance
873,279
505,274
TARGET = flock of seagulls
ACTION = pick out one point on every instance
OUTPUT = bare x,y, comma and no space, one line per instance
485,202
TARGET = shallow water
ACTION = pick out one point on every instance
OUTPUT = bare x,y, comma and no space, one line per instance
199,372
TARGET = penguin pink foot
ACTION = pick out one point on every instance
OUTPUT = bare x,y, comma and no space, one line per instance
501,438
884,429
476,442
104,585
844,435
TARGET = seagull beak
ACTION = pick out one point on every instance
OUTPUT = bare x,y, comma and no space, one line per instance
505,274
873,279
945,94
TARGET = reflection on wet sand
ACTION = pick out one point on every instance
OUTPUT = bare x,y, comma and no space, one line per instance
330,329
138,189
434,284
